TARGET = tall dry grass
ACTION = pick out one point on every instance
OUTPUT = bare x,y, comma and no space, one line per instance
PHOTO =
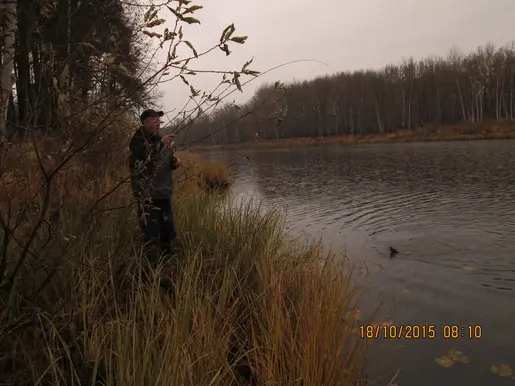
247,304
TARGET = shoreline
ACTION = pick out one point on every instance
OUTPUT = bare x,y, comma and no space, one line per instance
236,270
443,134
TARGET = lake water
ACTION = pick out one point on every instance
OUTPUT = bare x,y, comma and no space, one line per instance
447,207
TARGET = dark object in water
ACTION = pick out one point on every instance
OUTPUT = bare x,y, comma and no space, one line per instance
393,251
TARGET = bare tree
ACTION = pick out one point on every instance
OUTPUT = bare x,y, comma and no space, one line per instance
416,94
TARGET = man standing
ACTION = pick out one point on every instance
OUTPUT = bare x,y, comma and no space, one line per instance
151,164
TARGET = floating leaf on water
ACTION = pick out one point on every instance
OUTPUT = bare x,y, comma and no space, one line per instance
455,354
445,361
467,268
458,356
405,290
464,360
355,314
502,370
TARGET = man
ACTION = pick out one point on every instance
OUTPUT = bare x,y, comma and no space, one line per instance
151,164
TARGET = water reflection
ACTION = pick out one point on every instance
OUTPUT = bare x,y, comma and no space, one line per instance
449,208
456,202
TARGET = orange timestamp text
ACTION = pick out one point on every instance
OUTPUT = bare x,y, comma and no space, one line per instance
420,331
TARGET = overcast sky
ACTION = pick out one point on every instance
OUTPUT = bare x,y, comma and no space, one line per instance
342,34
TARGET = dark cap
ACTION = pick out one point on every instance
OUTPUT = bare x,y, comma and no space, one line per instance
150,113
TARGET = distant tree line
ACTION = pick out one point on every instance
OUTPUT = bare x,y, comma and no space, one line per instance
457,89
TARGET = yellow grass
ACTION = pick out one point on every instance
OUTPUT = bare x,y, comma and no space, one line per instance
245,299
208,174
464,132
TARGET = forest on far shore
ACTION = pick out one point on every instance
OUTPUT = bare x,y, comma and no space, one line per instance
434,91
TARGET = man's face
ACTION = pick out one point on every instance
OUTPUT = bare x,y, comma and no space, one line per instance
152,124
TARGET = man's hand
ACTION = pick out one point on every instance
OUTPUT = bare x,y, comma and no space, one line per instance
176,162
167,140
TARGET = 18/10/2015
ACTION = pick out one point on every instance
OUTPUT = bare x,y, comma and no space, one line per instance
420,331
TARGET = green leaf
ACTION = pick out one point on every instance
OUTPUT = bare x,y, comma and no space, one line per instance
177,14
237,81
227,32
153,15
193,91
190,20
169,35
247,64
192,9
149,12
152,34
225,48
192,48
239,39
251,72
155,23
184,80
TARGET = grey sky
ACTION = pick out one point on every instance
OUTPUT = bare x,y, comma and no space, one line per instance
344,34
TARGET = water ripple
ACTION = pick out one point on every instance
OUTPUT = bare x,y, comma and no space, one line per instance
449,204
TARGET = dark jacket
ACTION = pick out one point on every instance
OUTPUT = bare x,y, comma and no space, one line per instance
151,165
